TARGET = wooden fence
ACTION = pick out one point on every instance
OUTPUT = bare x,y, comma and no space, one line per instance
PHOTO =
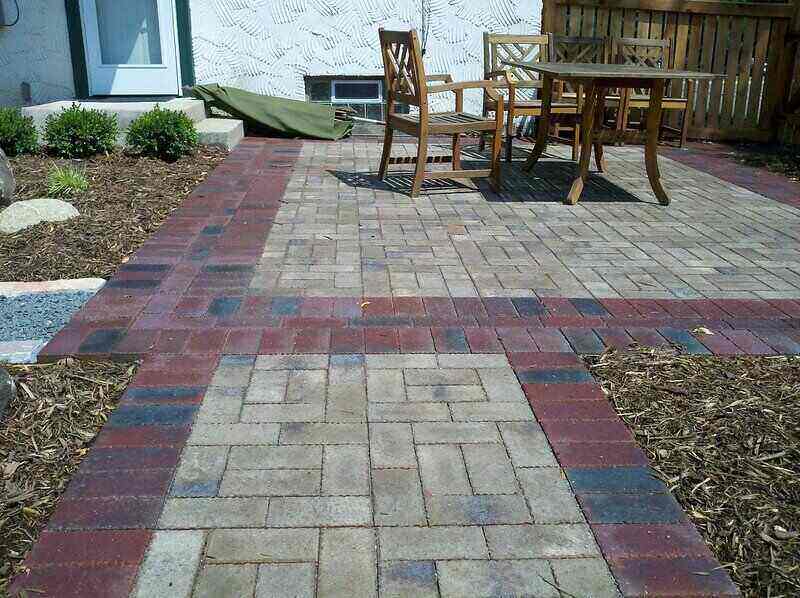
754,45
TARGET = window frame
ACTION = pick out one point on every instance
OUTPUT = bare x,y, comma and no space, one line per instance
344,100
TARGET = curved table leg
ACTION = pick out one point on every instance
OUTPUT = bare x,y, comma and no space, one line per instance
587,126
651,146
543,127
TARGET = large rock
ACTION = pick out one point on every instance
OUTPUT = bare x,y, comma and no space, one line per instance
7,391
6,181
22,214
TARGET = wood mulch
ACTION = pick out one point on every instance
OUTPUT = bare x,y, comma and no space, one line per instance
128,199
724,434
47,430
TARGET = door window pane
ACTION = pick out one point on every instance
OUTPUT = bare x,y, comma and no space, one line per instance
129,32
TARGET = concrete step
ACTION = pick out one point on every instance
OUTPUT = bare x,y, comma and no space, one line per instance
224,132
126,112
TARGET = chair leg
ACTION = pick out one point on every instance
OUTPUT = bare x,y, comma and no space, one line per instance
457,152
687,114
419,170
387,152
509,136
576,140
497,142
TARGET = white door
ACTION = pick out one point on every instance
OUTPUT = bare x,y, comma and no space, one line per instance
131,47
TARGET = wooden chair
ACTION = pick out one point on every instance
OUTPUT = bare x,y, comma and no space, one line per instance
652,53
523,86
406,82
565,48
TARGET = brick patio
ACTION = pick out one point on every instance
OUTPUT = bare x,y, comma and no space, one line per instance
346,392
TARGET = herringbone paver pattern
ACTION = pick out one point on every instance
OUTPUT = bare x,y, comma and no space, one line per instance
365,475
341,232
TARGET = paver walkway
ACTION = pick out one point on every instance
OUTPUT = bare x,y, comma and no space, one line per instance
346,392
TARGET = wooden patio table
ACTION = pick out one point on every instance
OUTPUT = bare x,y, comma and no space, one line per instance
596,79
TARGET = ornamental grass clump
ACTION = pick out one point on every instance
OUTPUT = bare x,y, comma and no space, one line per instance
66,181
164,134
79,132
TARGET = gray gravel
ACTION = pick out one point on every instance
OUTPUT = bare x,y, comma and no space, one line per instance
37,315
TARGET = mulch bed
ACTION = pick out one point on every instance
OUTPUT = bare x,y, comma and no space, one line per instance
782,159
59,409
127,200
724,434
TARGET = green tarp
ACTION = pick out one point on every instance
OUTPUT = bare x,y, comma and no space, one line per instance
275,116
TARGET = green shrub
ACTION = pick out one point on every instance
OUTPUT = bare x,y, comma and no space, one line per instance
17,132
80,133
164,134
66,181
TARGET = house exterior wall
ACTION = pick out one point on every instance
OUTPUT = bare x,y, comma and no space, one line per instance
35,51
269,46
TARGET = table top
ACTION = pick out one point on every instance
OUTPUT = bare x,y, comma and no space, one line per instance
587,70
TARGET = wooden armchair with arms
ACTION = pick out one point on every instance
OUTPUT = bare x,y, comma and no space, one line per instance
523,97
406,82
652,53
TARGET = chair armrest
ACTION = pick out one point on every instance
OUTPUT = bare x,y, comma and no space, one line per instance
445,77
461,85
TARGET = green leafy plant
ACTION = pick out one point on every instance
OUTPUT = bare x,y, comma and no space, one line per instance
66,181
164,134
80,132
17,132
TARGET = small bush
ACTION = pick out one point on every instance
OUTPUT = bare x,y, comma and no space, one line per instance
164,134
17,132
66,181
80,133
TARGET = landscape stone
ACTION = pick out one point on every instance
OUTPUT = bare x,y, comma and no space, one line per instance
24,214
8,391
6,181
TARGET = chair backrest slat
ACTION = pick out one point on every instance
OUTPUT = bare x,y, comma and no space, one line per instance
514,48
404,73
640,51
565,48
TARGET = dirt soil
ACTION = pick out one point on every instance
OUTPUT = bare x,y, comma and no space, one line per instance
47,430
724,434
128,199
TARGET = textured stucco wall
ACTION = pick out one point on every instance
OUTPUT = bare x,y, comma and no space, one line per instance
268,46
35,50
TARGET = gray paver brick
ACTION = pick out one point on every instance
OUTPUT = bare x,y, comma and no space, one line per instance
275,457
262,545
407,579
496,578
408,412
424,543
320,511
281,580
585,577
401,361
291,362
270,482
455,432
306,386
212,512
327,433
268,386
549,495
231,376
527,444
501,384
391,445
385,386
398,497
430,377
448,393
199,471
541,541
215,581
233,434
345,470
489,412
170,565
286,412
476,360
348,563
490,469
487,509
346,403
442,469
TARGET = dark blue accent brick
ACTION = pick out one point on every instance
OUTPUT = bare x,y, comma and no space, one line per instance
212,229
684,340
101,341
554,376
631,508
237,360
132,284
223,307
382,321
351,359
285,306
227,268
589,307
144,267
627,480
584,341
529,307
127,416
145,393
